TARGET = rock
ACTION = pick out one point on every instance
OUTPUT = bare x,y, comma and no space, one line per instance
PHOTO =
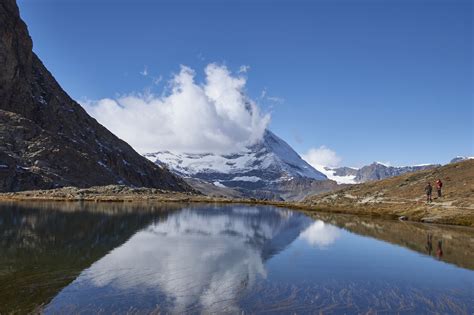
403,218
428,220
41,126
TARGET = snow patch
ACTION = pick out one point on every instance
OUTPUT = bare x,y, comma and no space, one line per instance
349,179
253,179
219,184
41,100
386,164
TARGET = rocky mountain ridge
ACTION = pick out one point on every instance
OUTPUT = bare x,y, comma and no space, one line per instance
47,140
372,172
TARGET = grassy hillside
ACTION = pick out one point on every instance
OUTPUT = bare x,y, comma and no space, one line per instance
404,196
391,198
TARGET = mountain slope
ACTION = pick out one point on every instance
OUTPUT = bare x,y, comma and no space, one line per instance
262,170
404,196
378,171
46,139
461,158
374,171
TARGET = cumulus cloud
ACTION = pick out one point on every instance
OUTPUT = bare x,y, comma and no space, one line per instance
212,116
273,99
322,157
157,80
324,160
144,72
244,69
320,234
276,99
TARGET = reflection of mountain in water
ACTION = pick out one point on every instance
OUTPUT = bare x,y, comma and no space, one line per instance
43,247
195,259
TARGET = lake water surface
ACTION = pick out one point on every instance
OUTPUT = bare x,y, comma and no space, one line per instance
174,258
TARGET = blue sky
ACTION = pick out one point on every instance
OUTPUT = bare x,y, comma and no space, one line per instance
374,80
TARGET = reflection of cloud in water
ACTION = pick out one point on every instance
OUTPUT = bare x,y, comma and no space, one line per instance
211,268
246,210
320,234
194,257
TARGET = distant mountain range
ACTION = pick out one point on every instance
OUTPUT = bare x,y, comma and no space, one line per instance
377,171
270,169
374,171
405,196
461,158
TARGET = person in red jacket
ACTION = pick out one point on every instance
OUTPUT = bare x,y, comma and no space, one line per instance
439,185
439,250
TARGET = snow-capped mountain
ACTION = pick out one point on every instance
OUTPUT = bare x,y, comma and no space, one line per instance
374,171
262,166
342,175
377,171
461,158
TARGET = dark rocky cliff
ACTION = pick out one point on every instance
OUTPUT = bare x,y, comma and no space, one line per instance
48,140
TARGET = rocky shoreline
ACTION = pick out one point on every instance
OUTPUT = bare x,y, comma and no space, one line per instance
118,193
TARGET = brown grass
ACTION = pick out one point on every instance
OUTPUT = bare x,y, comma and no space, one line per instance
390,198
404,196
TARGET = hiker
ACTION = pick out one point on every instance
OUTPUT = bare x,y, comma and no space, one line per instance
439,250
428,190
429,243
439,184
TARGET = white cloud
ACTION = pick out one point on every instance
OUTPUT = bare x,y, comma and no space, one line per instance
273,99
322,156
276,99
214,116
157,80
324,159
144,72
201,57
320,234
244,69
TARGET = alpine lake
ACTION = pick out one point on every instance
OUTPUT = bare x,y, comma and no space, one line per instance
161,258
